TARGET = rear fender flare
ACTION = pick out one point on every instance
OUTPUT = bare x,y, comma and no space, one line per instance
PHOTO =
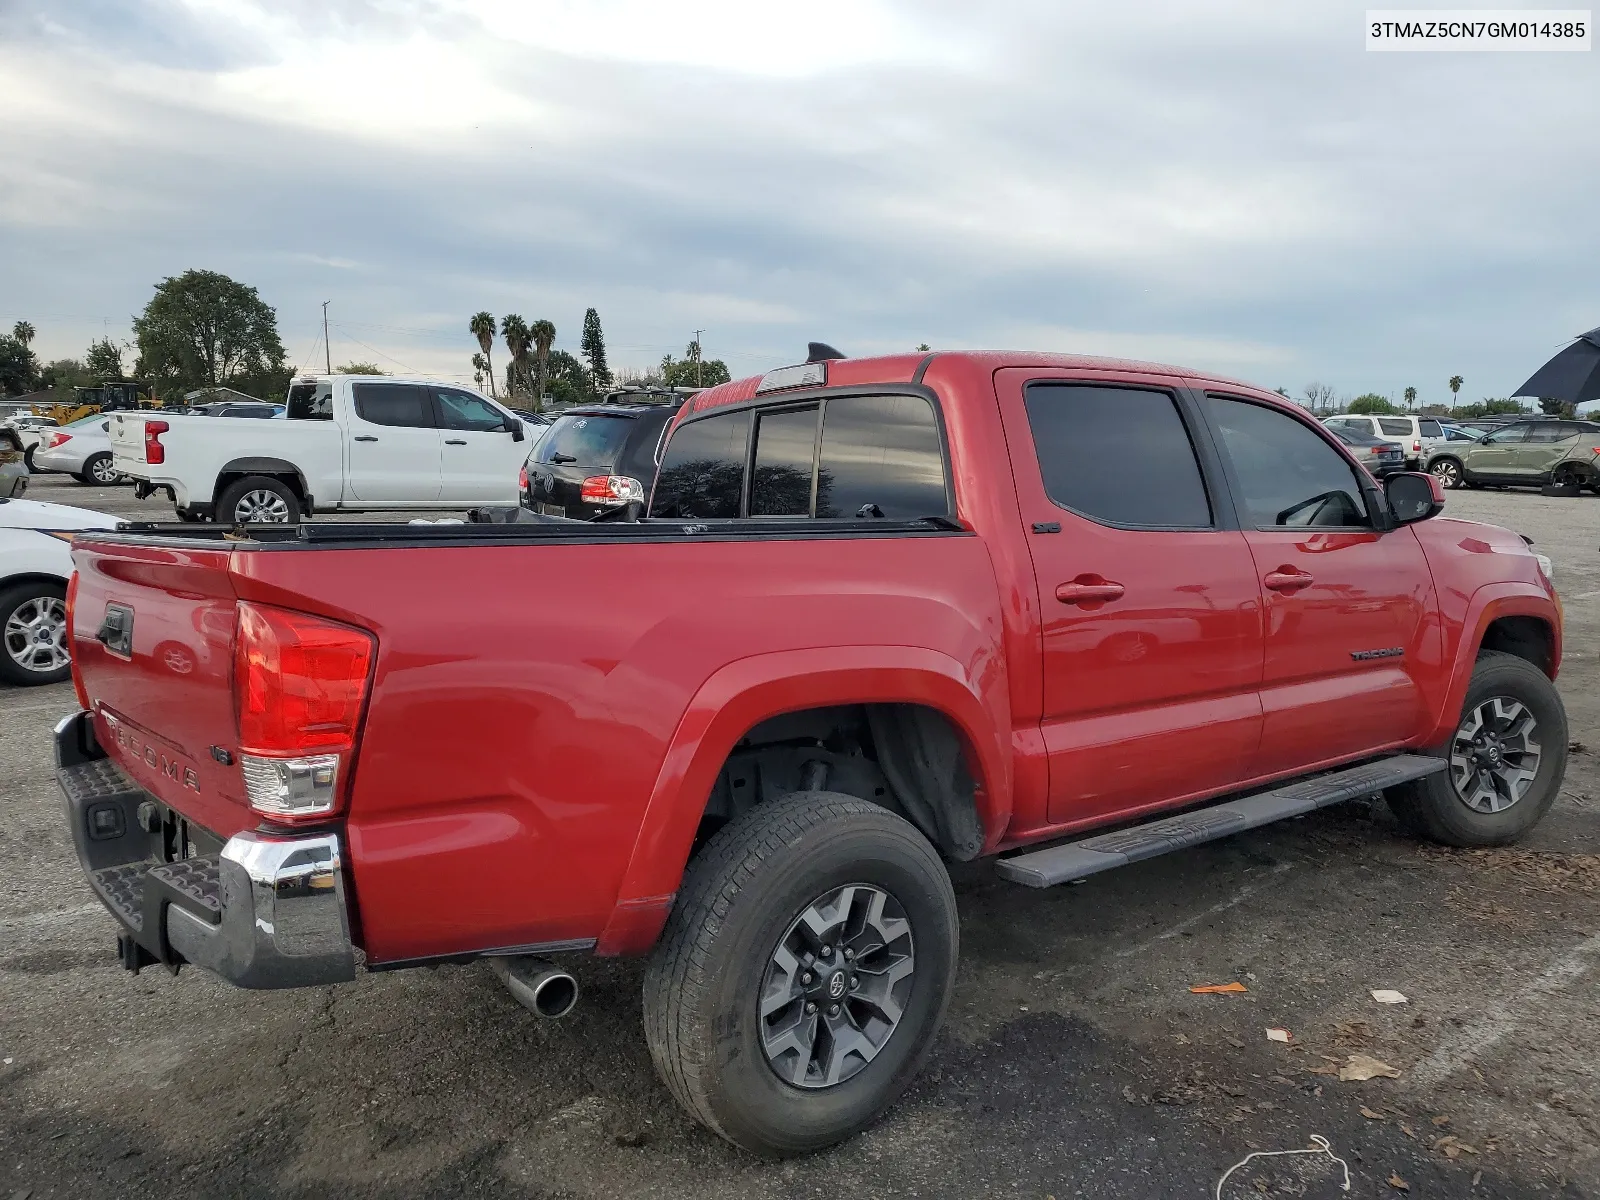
1488,604
237,467
743,694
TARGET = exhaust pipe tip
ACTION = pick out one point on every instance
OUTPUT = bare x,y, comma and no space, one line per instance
538,985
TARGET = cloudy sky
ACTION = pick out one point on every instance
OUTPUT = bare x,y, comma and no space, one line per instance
1239,187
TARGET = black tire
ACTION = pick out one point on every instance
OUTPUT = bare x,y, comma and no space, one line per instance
741,896
27,458
94,467
1433,808
1448,471
228,502
10,440
14,648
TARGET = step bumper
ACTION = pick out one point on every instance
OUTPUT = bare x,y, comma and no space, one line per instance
262,912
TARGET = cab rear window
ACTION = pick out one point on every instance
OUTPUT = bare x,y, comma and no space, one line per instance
587,439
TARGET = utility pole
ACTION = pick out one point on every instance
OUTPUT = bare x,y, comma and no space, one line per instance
327,351
698,374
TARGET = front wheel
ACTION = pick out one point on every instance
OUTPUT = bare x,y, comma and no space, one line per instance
33,623
803,972
1447,471
258,500
1506,759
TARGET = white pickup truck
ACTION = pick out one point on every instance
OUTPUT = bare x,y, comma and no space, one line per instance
348,443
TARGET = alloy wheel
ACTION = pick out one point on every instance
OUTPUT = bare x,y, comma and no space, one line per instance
836,986
36,634
1447,473
1494,755
103,470
261,506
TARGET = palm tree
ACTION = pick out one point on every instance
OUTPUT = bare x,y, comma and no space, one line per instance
543,334
482,328
515,330
1411,398
23,332
1455,386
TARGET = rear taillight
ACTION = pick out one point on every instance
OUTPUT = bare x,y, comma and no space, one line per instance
299,684
522,479
1416,446
77,676
154,451
611,489
58,439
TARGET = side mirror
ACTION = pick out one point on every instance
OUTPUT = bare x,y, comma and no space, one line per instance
517,435
1413,496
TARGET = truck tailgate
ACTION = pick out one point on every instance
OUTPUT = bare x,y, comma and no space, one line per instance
163,696
126,431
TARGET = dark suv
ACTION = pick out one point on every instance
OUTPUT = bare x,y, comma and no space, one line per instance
593,459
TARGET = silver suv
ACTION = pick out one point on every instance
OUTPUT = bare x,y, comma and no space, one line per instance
1417,437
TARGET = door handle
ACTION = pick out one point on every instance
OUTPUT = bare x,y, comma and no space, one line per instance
364,438
1088,589
455,441
1287,579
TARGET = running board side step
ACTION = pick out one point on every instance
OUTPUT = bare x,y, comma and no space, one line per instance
1066,862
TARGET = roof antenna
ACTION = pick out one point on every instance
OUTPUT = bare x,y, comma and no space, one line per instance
820,352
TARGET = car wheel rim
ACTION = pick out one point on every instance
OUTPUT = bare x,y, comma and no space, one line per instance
1446,474
261,506
836,986
103,471
36,634
1494,756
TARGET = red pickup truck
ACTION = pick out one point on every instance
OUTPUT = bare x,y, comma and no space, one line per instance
881,615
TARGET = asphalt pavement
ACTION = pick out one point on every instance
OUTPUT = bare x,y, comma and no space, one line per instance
1075,1061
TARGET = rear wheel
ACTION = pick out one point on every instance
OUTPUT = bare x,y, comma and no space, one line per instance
1507,758
1447,471
1567,476
27,458
33,625
803,973
258,500
98,470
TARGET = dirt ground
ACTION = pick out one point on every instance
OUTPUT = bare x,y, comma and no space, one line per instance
1075,1062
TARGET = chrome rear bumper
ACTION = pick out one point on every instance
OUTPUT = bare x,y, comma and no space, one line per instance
262,911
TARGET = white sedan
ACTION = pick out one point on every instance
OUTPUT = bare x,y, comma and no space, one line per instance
35,565
80,449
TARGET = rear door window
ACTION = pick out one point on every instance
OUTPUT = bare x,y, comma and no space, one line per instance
1287,474
1547,433
400,404
1118,455
702,469
588,439
785,452
1395,426
881,457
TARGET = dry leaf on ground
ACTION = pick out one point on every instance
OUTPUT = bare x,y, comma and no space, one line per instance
1218,989
1360,1067
1398,1184
1277,1035
1388,996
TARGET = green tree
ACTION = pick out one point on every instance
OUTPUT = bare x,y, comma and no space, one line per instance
360,368
594,352
569,381
1411,398
692,370
1284,392
922,347
1371,402
23,331
19,370
515,331
543,334
1455,386
1552,407
65,373
103,362
482,328
204,330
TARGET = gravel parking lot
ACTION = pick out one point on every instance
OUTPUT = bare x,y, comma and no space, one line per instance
1075,1062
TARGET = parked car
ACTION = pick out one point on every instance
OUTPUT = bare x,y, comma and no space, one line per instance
881,615
1527,454
35,565
350,443
1381,458
595,458
1417,437
24,431
1461,433
240,408
81,449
